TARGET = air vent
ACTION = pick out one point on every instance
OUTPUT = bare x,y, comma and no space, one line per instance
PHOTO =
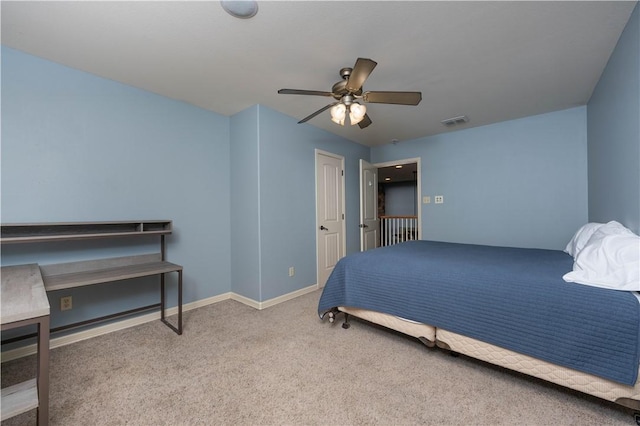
455,121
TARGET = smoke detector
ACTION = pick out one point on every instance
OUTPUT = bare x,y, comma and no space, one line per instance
243,9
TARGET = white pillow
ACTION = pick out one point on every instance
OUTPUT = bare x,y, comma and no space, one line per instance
613,227
609,259
581,237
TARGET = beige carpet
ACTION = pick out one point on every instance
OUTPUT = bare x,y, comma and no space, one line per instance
235,365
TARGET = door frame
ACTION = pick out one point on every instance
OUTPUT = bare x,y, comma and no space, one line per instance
343,202
418,184
365,165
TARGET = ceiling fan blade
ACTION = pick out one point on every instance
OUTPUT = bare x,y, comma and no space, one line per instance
321,110
400,98
366,121
303,92
360,73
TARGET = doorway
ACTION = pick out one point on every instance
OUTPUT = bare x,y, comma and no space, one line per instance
398,206
330,223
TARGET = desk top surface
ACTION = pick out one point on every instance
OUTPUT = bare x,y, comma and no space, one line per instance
23,295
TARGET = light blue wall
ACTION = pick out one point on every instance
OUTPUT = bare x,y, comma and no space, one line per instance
288,201
245,190
275,200
76,147
613,115
519,183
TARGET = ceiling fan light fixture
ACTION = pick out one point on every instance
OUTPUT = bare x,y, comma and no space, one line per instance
338,113
357,113
346,91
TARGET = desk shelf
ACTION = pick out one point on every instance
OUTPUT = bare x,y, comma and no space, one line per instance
63,276
12,233
20,398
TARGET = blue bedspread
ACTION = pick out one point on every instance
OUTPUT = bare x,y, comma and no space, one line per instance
514,298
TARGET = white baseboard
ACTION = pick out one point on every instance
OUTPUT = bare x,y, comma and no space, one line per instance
142,319
271,302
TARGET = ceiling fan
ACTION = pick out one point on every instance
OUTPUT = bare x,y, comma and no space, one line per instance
348,91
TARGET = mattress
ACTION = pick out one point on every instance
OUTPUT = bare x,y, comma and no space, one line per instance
628,396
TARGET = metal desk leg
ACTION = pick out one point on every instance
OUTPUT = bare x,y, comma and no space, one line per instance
180,301
43,371
178,330
162,297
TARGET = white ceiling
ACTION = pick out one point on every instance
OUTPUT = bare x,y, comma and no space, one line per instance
491,61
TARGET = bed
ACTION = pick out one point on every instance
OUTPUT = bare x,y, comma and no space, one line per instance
507,306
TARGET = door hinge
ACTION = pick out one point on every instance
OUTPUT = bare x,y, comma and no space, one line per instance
342,172
342,216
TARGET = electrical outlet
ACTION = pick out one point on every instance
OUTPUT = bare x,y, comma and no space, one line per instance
292,271
66,303
439,199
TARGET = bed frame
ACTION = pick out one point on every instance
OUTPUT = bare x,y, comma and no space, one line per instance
626,396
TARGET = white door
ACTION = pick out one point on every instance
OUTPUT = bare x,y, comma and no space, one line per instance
330,229
369,223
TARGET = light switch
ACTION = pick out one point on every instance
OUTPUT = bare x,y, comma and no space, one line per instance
426,199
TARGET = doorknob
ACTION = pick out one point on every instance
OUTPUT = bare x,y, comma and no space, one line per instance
322,228
362,225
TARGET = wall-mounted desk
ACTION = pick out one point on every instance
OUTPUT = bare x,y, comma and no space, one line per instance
89,272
